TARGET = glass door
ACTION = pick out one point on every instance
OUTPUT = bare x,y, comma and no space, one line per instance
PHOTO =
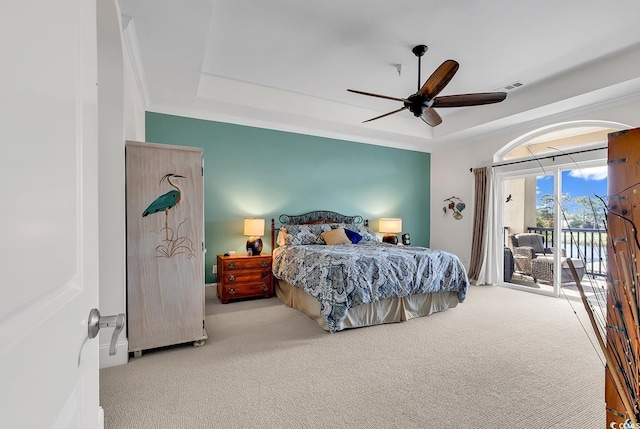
550,218
583,233
529,206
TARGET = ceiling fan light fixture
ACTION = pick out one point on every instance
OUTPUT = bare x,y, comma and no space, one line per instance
422,102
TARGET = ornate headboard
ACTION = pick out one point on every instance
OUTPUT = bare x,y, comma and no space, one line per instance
315,217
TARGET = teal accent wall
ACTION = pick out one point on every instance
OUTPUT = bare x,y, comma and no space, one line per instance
256,172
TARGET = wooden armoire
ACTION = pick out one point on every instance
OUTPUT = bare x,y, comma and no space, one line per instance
165,242
622,379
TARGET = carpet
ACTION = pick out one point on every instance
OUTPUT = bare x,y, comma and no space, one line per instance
503,358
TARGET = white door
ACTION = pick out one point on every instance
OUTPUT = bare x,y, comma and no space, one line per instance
49,215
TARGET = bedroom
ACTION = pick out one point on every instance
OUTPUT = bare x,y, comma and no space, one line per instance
412,181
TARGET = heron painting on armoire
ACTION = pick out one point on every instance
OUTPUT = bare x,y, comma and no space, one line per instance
173,243
165,245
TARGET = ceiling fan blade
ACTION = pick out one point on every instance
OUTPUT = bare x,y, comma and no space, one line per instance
403,100
431,117
476,99
439,78
386,114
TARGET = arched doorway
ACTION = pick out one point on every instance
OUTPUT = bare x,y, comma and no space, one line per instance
548,188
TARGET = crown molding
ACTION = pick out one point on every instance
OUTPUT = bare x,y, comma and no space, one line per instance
131,42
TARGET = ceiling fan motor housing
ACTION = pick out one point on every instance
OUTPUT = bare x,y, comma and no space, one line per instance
417,104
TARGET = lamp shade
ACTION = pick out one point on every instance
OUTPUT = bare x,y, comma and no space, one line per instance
253,227
390,224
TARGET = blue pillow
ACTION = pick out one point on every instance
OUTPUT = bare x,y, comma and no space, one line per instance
353,236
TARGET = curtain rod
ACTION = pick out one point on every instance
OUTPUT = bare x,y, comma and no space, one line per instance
545,157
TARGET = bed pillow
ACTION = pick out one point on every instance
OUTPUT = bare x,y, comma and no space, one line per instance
368,235
335,236
353,236
365,232
282,236
305,234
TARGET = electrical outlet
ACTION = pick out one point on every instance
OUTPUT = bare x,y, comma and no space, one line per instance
215,269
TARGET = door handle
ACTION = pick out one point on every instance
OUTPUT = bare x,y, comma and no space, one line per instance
96,321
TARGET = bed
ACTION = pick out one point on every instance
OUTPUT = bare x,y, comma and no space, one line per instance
334,268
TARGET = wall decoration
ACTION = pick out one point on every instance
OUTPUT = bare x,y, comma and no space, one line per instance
174,243
455,205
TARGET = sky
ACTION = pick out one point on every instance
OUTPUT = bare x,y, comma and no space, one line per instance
579,182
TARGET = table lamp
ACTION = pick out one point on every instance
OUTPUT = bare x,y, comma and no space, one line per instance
254,229
390,226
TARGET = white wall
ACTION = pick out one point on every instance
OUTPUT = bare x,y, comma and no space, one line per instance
450,166
119,108
134,104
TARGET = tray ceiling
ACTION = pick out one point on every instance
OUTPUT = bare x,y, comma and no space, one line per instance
286,64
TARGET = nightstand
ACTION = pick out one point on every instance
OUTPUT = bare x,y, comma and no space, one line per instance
241,276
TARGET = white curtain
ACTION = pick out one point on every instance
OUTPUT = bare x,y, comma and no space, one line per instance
490,267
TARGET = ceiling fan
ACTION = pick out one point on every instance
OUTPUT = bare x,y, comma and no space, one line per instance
422,103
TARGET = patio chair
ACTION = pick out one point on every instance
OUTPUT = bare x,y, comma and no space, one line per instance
526,247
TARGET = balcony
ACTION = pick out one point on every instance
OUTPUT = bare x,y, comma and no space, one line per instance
589,245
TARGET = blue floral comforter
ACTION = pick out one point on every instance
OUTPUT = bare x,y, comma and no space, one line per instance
344,276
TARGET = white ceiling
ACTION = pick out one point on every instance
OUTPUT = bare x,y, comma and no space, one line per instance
286,64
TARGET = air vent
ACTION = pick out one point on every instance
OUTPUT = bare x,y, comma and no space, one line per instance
513,86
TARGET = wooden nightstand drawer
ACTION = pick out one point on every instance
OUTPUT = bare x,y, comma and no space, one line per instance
244,277
246,290
246,263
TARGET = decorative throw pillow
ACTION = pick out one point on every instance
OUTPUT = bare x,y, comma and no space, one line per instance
336,236
368,236
353,236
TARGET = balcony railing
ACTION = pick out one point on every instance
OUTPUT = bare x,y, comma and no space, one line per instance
590,245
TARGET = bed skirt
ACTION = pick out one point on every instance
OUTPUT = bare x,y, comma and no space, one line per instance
385,311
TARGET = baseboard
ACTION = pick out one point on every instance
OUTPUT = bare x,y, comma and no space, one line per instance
211,284
120,358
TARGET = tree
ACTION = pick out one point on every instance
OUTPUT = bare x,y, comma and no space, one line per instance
579,212
544,213
591,211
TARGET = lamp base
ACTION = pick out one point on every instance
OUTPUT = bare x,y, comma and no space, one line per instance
390,238
254,245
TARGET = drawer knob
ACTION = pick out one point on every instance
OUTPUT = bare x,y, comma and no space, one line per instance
232,265
264,288
263,264
231,277
265,274
232,291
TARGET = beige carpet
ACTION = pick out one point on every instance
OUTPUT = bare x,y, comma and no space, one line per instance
502,359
